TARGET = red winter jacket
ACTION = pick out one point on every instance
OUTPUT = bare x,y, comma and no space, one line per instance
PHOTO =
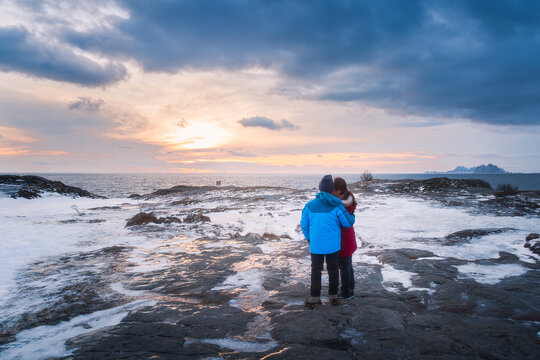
348,237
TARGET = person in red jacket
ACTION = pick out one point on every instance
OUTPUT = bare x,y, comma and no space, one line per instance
348,241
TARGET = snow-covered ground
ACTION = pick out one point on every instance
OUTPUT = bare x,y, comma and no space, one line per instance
35,230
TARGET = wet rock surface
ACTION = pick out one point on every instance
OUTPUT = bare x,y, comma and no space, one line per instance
443,316
72,285
31,187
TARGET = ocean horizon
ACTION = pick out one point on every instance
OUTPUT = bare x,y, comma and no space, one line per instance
125,184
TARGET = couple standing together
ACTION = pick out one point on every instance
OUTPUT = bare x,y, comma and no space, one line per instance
327,224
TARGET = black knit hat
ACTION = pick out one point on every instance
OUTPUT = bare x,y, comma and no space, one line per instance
326,184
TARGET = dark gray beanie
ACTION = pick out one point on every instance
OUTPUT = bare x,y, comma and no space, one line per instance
326,184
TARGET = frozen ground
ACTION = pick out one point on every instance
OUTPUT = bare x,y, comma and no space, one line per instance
71,268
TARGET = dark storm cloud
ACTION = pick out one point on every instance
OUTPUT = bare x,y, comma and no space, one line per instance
21,52
424,123
86,104
264,122
470,59
301,38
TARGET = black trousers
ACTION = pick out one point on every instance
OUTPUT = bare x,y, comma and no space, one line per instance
317,261
347,276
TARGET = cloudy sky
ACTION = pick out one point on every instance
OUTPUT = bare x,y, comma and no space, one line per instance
269,86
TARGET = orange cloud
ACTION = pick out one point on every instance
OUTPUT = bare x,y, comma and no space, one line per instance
24,151
14,135
7,151
353,161
190,170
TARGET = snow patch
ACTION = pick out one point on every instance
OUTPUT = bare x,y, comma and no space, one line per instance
251,279
392,276
242,345
491,274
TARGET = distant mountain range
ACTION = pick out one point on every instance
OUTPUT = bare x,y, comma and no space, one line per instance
482,169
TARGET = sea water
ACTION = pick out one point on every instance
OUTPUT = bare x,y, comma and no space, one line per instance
122,185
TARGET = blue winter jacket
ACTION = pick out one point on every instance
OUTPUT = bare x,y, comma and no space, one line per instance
321,223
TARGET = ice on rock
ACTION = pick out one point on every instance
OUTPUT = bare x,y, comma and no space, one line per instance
491,274
392,276
241,345
251,279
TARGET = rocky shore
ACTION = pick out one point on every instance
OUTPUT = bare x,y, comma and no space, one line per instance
448,318
31,187
472,194
199,281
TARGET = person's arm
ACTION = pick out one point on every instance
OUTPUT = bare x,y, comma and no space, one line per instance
304,223
345,219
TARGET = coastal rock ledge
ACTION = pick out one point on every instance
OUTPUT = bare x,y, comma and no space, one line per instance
31,187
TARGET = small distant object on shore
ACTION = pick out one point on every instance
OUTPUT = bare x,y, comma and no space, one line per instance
218,183
366,176
481,169
507,189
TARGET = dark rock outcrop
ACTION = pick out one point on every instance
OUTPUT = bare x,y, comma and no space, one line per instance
143,218
463,236
533,243
189,189
438,185
532,236
31,187
197,217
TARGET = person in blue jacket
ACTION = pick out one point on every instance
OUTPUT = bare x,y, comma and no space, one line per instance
322,219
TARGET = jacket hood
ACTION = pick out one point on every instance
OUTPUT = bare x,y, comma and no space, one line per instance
348,201
328,199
